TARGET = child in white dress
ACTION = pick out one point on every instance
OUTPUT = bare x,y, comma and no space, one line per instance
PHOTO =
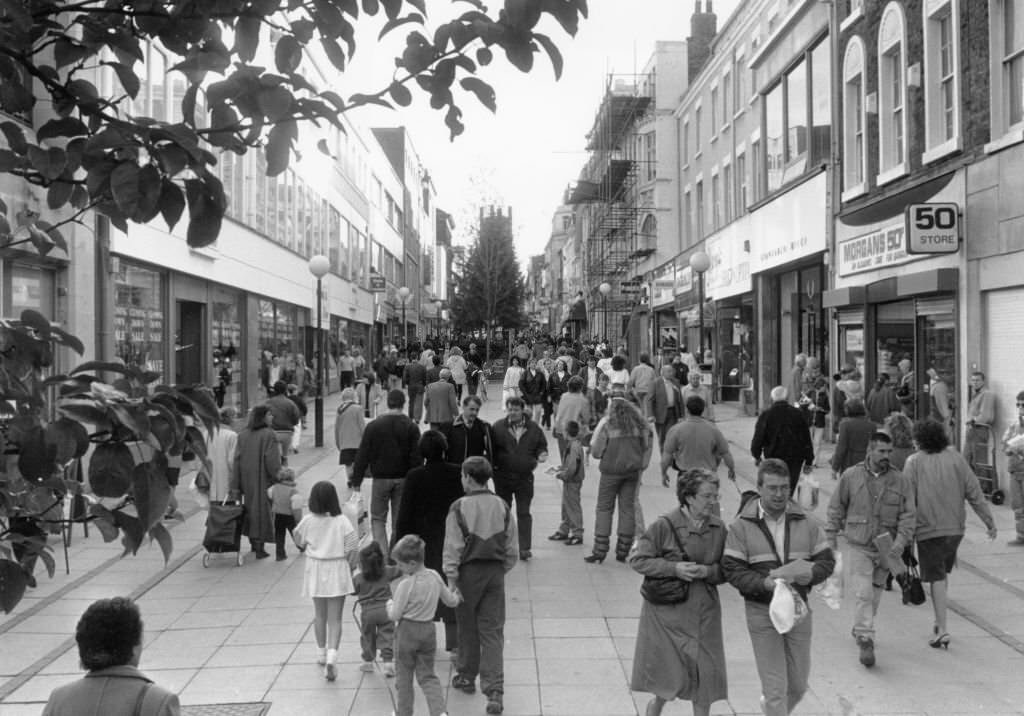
328,538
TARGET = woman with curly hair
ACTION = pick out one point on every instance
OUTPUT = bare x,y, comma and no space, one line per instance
901,430
623,442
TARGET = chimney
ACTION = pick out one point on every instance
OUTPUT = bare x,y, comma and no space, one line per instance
703,27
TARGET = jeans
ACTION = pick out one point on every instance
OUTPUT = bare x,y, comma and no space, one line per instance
376,631
386,492
284,441
481,619
867,579
623,489
519,487
282,524
416,644
572,512
1017,501
783,660
416,404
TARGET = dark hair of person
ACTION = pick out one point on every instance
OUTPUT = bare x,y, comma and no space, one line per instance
478,469
901,429
575,384
695,405
879,437
108,632
689,483
855,408
515,361
930,436
618,363
572,429
371,562
435,359
280,387
645,358
396,399
433,445
409,549
772,466
516,401
258,417
323,499
472,399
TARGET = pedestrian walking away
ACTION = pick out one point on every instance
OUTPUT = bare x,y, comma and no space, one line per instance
256,465
519,446
349,425
695,443
371,586
286,505
285,416
480,547
781,432
872,499
414,378
855,431
773,538
679,651
440,402
389,448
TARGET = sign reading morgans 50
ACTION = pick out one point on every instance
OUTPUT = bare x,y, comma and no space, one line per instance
884,247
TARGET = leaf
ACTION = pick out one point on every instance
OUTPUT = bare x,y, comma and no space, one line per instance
58,334
100,367
484,56
83,410
48,162
37,459
205,214
132,417
275,103
400,94
334,53
160,534
13,582
133,531
58,194
104,521
520,55
483,91
358,99
324,149
111,469
279,145
413,17
8,161
247,37
172,203
151,491
47,557
66,51
553,53
149,194
287,54
69,438
79,196
62,127
173,159
371,7
124,185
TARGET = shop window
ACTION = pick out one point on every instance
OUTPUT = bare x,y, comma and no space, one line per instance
774,122
892,90
139,316
854,149
27,287
226,339
941,78
796,115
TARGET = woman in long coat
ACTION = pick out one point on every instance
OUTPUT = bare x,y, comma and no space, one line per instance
256,465
427,495
679,651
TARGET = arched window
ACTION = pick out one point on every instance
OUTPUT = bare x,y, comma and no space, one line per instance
892,94
854,146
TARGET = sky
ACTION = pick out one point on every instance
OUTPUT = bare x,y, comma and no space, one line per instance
526,154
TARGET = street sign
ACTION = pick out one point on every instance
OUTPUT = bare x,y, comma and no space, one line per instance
932,228
378,284
629,287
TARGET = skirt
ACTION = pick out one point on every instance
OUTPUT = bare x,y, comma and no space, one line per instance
347,456
326,578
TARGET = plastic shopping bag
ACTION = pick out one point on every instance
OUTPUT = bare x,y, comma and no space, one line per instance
831,590
787,608
355,510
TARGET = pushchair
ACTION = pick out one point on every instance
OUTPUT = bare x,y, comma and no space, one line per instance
224,531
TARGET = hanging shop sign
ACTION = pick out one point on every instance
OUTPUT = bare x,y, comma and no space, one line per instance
664,285
932,228
378,283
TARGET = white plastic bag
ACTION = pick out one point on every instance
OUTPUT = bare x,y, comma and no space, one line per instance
831,590
354,509
787,608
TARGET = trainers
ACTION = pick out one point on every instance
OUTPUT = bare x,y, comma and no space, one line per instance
389,668
526,555
366,667
330,672
1019,542
464,684
867,651
494,704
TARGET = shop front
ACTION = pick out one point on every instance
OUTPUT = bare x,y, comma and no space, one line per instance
664,323
731,304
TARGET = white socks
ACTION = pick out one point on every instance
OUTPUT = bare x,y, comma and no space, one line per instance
321,655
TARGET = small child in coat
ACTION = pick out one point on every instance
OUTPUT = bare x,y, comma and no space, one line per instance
373,591
412,609
571,473
284,498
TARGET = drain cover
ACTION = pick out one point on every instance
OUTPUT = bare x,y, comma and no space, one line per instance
252,709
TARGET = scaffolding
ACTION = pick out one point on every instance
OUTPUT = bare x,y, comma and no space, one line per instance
610,204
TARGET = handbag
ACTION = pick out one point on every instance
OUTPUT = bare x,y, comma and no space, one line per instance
666,590
910,581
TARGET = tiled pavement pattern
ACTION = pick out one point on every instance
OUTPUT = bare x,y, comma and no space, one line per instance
240,637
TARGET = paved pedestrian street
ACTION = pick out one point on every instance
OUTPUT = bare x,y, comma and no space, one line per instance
237,640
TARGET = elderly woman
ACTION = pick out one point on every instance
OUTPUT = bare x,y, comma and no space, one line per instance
855,432
679,650
349,424
257,462
109,637
427,496
942,481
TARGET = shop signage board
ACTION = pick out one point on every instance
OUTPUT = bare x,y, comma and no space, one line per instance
883,247
378,284
791,227
932,228
664,283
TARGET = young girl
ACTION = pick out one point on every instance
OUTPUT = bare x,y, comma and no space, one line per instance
372,591
328,537
412,610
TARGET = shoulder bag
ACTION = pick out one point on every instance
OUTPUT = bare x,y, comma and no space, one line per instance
666,590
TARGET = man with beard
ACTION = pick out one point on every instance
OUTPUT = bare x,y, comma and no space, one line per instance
873,500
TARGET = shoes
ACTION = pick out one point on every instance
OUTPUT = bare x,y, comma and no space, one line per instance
939,641
867,651
620,557
330,670
464,684
366,667
594,558
526,555
1018,542
654,707
280,558
558,537
494,704
389,668
573,541
262,554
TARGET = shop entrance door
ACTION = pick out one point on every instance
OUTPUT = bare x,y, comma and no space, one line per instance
188,344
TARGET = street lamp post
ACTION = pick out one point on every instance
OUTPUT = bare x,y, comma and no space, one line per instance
444,317
403,295
319,265
605,288
700,263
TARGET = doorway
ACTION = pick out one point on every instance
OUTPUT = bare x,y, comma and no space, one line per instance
188,343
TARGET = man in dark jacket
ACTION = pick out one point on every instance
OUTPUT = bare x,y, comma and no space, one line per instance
286,416
773,537
782,432
519,445
665,403
414,377
469,436
434,371
390,448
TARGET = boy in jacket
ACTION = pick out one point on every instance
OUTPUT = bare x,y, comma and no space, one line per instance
519,446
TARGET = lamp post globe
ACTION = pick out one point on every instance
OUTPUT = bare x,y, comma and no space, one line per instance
403,295
605,288
319,265
700,263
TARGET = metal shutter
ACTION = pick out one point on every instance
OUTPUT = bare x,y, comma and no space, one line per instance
1003,354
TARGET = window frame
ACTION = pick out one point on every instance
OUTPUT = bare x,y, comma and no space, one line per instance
892,81
853,72
936,143
1004,133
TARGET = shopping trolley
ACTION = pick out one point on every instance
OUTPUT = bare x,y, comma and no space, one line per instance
982,459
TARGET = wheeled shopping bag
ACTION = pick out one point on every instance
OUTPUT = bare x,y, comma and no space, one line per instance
224,530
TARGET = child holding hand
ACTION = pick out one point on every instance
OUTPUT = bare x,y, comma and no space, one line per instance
412,609
373,592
